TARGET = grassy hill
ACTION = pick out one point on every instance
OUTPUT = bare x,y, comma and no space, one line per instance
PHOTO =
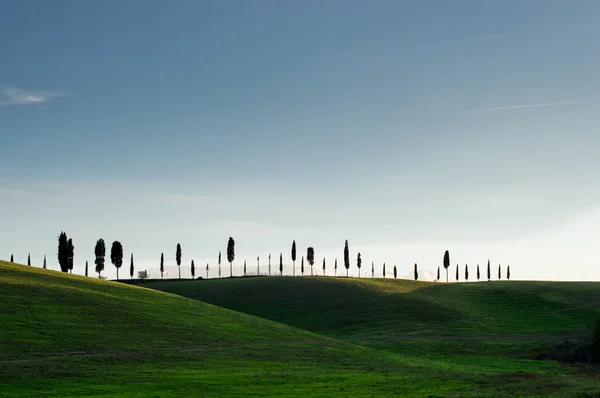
65,335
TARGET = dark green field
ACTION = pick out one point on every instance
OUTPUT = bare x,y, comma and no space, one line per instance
65,335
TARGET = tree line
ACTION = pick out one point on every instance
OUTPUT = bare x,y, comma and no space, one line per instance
66,254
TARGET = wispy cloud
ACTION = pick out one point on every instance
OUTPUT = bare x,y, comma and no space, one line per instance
538,105
19,96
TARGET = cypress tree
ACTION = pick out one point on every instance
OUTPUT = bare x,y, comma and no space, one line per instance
294,258
416,273
12,257
86,268
100,252
116,255
489,271
478,273
323,266
281,264
384,270
178,258
508,273
335,267
466,272
257,265
230,254
45,261
302,266
63,252
206,270
29,259
447,263
71,254
395,272
193,266
244,267
372,269
438,274
346,257
457,272
310,258
131,267
358,263
499,272
269,264
219,263
162,265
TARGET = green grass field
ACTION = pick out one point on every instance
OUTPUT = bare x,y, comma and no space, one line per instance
67,335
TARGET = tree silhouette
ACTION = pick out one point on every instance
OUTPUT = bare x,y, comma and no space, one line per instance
302,266
230,254
206,270
63,252
457,272
45,261
446,263
162,265
116,255
384,270
466,272
372,269
269,264
438,274
86,268
310,258
395,272
132,267
508,272
12,259
478,273
335,267
257,265
193,266
29,259
281,264
244,267
219,263
358,263
499,272
489,271
71,250
178,258
346,257
416,273
100,252
323,266
294,258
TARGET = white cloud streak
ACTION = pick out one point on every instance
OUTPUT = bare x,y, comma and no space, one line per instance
538,105
19,96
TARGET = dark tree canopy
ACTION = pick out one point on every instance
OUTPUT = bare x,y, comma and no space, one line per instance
281,263
346,257
63,252
395,272
178,255
466,272
438,274
71,249
457,272
416,273
100,252
446,263
45,261
489,271
323,265
230,250
384,270
162,265
310,256
86,268
358,263
372,269
12,259
193,269
29,259
499,272
294,250
478,273
244,267
116,255
131,267
302,265
508,272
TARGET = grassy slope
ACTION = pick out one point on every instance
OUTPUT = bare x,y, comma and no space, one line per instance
492,328
64,335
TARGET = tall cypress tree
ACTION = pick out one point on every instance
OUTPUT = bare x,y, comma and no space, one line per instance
29,259
86,268
162,265
219,263
457,272
281,264
478,274
294,258
438,274
346,257
395,272
416,273
508,272
499,272
466,272
178,258
244,267
63,252
384,270
206,270
230,254
100,252
310,258
335,267
302,266
193,266
71,254
131,267
323,266
12,257
116,255
489,271
372,269
45,261
258,265
446,263
358,263
269,264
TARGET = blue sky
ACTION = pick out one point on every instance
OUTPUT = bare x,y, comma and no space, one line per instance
407,127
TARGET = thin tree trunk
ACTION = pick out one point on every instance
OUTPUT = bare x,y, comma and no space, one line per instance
231,269
293,268
446,275
346,272
179,266
117,274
